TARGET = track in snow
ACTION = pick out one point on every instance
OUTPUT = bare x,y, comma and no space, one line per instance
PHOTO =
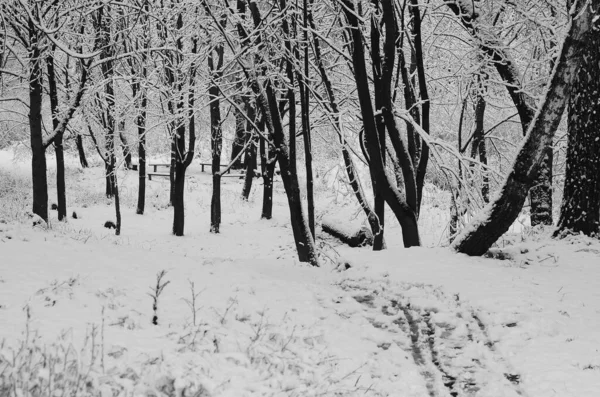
448,341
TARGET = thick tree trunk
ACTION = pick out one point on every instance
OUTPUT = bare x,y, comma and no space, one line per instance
347,232
215,204
502,211
580,208
178,200
38,158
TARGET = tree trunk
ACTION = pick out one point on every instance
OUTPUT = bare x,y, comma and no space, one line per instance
267,177
403,212
268,106
349,233
141,127
421,167
216,135
173,166
478,148
178,200
497,217
125,145
38,158
58,140
250,154
541,193
353,179
240,136
580,208
81,151
306,128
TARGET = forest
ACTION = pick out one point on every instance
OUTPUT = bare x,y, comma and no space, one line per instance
181,140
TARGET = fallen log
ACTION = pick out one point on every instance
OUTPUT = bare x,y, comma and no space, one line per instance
348,232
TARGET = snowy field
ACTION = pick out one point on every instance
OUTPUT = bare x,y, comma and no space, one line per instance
240,316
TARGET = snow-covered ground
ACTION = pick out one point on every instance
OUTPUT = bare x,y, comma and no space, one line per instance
76,308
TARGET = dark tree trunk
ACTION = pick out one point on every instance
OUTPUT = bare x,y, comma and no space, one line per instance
268,106
58,140
478,237
379,200
478,141
103,28
173,161
240,136
250,154
178,199
81,151
541,192
376,227
216,135
141,126
38,158
580,208
403,212
306,128
268,170
182,158
141,96
421,167
113,160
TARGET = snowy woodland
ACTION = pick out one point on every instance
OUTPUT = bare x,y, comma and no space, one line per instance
210,198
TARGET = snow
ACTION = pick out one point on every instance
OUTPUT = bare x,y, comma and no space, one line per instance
401,322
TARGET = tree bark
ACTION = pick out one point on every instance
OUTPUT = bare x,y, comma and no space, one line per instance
125,145
580,208
250,154
502,211
182,157
58,140
38,158
216,135
81,151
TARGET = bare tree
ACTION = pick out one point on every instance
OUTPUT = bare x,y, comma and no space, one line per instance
502,211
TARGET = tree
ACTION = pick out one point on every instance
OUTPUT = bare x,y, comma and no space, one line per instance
39,28
491,47
502,211
580,208
405,213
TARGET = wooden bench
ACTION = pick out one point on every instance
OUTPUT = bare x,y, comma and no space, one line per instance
155,168
202,165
